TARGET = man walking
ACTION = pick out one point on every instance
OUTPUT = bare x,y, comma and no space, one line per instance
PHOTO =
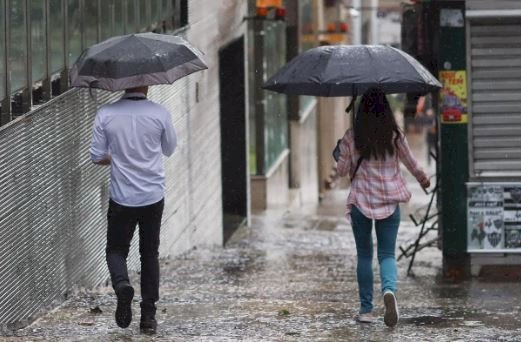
131,135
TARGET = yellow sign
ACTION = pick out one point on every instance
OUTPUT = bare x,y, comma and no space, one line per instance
269,3
454,97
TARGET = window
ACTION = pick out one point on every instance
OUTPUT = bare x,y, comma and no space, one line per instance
175,17
107,29
184,13
252,74
38,40
168,15
2,50
144,15
155,11
307,41
90,23
17,45
275,108
119,18
56,35
131,24
166,8
268,110
74,31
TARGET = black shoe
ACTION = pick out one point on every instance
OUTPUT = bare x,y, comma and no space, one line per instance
148,325
125,293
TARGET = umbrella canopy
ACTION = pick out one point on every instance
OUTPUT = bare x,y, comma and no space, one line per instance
350,70
136,60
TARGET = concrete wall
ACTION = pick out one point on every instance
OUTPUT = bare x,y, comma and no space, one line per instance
193,213
332,123
304,157
271,190
54,199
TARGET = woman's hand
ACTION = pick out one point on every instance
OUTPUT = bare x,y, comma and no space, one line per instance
336,151
425,183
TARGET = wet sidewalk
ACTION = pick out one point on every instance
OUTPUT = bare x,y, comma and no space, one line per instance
291,276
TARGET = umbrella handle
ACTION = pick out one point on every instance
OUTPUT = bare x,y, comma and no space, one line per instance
348,109
351,105
93,96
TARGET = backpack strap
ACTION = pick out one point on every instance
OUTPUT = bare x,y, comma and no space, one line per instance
357,167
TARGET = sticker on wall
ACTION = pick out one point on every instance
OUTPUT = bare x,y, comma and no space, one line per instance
513,197
513,236
493,222
450,17
476,229
494,216
512,217
485,217
453,97
485,228
486,196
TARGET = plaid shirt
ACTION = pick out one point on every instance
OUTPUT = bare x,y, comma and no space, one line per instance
378,186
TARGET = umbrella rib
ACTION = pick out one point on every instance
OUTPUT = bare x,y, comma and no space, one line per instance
165,69
324,72
427,77
377,79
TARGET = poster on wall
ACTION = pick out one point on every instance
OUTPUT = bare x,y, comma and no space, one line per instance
512,217
451,17
494,217
453,96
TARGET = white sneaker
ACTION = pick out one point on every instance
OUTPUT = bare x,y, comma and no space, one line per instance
365,318
391,314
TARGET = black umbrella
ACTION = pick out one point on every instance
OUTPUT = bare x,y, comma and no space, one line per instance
350,70
136,60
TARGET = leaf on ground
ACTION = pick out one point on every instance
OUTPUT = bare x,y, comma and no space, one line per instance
87,324
283,312
96,310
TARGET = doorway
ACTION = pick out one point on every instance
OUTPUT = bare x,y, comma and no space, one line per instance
233,137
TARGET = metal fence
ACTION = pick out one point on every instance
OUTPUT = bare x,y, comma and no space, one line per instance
53,202
40,40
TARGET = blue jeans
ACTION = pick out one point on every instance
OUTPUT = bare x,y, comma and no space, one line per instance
386,232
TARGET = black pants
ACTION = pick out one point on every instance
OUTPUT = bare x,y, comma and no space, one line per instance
121,226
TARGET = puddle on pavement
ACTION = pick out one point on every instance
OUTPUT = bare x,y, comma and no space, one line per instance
297,283
311,223
426,320
458,292
327,225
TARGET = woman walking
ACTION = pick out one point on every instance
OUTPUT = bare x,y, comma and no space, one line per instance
370,153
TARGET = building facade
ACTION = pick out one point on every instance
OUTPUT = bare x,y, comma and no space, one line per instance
474,47
269,145
54,199
291,137
283,130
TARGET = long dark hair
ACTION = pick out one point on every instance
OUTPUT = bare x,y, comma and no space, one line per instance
375,128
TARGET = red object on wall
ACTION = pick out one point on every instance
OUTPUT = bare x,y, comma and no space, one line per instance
262,12
452,115
344,27
280,13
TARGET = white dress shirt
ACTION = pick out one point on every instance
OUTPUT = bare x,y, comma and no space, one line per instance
135,133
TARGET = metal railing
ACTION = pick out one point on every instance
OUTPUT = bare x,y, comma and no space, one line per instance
46,36
53,203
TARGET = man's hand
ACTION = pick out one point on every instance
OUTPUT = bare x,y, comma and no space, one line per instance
105,161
